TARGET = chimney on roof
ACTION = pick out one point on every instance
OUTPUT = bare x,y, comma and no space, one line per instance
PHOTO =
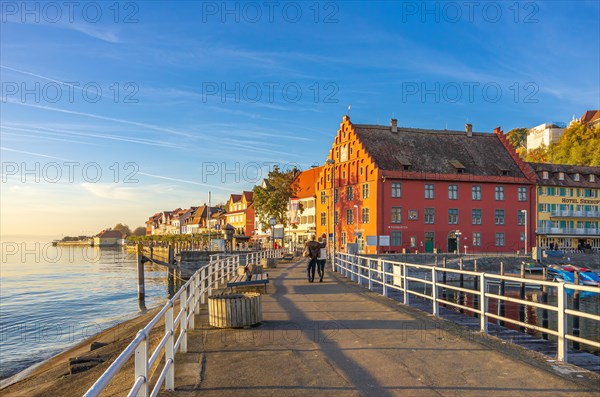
394,125
469,129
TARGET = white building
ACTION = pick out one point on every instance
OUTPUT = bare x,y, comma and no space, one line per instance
544,134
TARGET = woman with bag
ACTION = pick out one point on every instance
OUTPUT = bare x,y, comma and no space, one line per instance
322,257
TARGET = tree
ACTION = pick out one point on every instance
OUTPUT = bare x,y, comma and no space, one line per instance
271,201
139,231
124,229
578,145
518,138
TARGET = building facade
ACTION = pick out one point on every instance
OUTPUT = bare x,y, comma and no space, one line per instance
240,214
303,223
568,207
425,190
544,134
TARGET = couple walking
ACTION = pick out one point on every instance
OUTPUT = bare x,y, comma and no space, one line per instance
316,251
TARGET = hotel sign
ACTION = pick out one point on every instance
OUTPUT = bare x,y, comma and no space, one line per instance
580,201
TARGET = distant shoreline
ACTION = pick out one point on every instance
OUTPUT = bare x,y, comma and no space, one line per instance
72,243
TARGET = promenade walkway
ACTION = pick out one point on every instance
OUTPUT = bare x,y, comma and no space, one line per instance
336,339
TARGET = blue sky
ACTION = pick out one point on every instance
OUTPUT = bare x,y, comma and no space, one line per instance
186,97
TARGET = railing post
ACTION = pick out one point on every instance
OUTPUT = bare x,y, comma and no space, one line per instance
434,294
169,349
183,320
141,366
191,309
381,265
209,276
370,273
203,273
197,293
561,354
405,284
483,304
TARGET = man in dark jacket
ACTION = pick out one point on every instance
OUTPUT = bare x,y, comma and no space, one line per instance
313,253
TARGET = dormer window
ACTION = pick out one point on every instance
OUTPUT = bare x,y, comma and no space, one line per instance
544,174
561,176
407,167
576,177
458,166
592,178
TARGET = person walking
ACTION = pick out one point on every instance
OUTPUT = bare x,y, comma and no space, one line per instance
322,257
312,250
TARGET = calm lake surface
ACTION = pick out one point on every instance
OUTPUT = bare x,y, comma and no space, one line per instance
52,298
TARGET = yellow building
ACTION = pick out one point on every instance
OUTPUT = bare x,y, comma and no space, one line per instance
568,207
240,214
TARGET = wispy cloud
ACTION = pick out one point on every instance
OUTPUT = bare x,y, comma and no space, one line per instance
32,153
99,117
114,191
186,181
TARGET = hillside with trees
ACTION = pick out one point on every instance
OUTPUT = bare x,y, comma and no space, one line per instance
578,145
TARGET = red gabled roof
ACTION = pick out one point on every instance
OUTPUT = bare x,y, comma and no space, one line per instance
249,196
590,116
304,184
235,198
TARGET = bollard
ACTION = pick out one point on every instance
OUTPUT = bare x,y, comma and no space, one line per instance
140,274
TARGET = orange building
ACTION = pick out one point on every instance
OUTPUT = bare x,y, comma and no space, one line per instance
356,177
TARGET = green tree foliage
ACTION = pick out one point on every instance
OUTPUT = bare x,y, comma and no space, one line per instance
139,231
578,145
124,229
271,201
518,138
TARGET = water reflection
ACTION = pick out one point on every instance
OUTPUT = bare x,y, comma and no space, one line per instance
54,297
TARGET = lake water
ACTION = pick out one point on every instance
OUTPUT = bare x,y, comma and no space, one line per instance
52,298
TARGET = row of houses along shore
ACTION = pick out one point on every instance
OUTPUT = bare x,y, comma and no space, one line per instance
390,189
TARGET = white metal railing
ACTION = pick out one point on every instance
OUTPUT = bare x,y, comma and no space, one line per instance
392,275
193,293
255,257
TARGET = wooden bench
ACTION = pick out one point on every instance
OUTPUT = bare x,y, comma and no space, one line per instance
242,281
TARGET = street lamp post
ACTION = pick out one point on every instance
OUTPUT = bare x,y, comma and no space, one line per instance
332,163
356,232
525,214
458,234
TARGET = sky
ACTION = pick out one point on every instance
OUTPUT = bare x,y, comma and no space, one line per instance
111,112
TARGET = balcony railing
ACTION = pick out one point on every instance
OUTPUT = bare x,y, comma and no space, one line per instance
574,214
560,230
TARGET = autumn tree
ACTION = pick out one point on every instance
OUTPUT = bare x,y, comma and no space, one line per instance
579,144
272,198
518,139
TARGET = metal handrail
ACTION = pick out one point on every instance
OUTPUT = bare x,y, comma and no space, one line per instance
371,271
190,296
